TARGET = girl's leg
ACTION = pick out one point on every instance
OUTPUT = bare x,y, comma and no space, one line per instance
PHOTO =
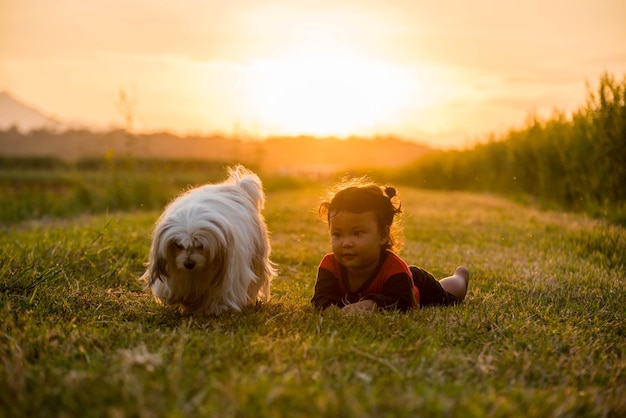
457,284
432,293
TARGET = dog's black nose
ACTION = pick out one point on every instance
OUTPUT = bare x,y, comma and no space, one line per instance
189,265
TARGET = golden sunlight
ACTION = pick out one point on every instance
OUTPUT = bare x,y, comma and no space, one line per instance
324,91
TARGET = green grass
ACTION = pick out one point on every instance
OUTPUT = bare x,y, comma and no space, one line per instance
542,332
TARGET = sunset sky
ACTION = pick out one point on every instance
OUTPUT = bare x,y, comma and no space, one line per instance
445,72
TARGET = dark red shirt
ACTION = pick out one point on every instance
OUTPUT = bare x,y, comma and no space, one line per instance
391,286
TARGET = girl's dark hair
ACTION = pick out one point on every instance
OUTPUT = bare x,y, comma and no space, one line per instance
362,195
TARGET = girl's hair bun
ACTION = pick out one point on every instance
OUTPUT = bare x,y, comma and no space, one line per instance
390,191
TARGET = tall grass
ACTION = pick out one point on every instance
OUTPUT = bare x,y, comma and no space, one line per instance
34,188
571,163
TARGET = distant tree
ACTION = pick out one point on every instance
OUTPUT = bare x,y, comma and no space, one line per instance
126,106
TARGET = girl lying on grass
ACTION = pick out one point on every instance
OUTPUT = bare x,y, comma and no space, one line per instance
363,273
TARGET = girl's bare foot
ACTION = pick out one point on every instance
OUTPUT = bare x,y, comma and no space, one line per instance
457,284
463,272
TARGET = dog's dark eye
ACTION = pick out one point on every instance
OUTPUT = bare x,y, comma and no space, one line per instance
199,246
178,245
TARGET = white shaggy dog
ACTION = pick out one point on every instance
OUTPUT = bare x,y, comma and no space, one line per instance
210,247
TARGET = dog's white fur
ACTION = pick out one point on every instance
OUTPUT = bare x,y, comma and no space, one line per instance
210,247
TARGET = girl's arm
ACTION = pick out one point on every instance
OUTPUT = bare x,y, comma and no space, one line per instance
397,294
326,290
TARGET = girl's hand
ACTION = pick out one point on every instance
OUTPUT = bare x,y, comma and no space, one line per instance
361,306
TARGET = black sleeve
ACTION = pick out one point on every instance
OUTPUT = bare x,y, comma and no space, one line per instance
398,293
326,290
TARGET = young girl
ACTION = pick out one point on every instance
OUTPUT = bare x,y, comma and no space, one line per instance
362,273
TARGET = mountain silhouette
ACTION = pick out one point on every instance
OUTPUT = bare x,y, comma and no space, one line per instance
15,114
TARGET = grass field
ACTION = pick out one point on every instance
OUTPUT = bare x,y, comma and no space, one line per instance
542,332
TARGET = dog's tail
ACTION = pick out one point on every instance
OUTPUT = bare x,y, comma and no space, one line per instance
249,182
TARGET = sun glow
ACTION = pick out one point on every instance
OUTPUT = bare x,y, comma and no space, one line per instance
326,92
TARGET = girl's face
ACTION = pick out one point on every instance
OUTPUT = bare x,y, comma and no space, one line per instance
356,240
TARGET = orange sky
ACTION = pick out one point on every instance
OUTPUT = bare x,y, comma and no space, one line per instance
445,72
